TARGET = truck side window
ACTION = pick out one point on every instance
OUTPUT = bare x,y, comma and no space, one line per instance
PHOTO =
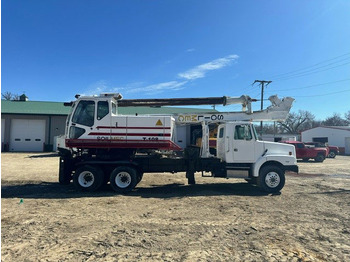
102,109
221,133
242,132
84,113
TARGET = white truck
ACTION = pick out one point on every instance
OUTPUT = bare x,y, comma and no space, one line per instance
103,146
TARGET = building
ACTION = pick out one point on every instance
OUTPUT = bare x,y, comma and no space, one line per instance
333,135
31,126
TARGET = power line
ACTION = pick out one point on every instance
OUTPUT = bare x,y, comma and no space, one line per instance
304,87
306,72
307,67
333,93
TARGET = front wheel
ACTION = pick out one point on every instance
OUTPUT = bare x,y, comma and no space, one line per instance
271,179
319,158
123,179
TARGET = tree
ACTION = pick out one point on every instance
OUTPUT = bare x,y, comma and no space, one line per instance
9,96
335,120
347,116
297,122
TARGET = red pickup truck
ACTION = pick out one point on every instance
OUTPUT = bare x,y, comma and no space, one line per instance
332,151
305,152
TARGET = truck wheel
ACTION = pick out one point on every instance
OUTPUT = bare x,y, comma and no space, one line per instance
123,179
319,158
88,178
332,154
271,179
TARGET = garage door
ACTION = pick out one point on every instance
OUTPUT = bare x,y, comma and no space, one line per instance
27,135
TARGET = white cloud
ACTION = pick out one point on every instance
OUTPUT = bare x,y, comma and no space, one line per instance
140,87
201,70
157,88
96,88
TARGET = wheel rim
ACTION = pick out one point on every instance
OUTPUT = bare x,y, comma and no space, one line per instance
272,179
86,179
331,154
123,179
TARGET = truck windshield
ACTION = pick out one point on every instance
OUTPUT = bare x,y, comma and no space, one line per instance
84,113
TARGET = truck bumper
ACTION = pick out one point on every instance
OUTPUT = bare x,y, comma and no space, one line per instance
293,168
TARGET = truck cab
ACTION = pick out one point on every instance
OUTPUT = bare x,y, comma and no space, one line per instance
239,147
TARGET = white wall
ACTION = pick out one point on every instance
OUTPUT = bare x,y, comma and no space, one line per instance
336,137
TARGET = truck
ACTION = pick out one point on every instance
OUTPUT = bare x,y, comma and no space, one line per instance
307,152
102,146
332,151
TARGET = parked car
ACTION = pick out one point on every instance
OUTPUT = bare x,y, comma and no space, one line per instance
305,152
332,151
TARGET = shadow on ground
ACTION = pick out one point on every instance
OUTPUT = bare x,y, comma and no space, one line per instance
47,190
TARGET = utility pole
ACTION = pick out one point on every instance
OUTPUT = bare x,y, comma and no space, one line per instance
262,83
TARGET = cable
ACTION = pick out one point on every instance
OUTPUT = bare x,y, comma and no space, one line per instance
342,91
301,69
305,74
338,81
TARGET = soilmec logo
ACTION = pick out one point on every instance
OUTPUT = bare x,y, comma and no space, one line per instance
198,118
188,118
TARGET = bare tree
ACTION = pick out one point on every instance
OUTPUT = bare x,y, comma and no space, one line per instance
297,122
335,120
7,95
347,116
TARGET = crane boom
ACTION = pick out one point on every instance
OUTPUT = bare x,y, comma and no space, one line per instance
278,111
224,100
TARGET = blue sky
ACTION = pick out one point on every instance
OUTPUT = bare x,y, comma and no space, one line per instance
52,50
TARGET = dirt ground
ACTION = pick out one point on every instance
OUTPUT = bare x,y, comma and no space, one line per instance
164,219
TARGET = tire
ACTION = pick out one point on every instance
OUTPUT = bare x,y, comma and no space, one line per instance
271,179
123,179
88,178
319,158
332,154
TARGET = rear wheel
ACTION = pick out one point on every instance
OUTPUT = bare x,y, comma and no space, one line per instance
319,158
88,178
124,179
271,179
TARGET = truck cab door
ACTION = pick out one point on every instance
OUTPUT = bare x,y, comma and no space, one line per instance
82,120
243,144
